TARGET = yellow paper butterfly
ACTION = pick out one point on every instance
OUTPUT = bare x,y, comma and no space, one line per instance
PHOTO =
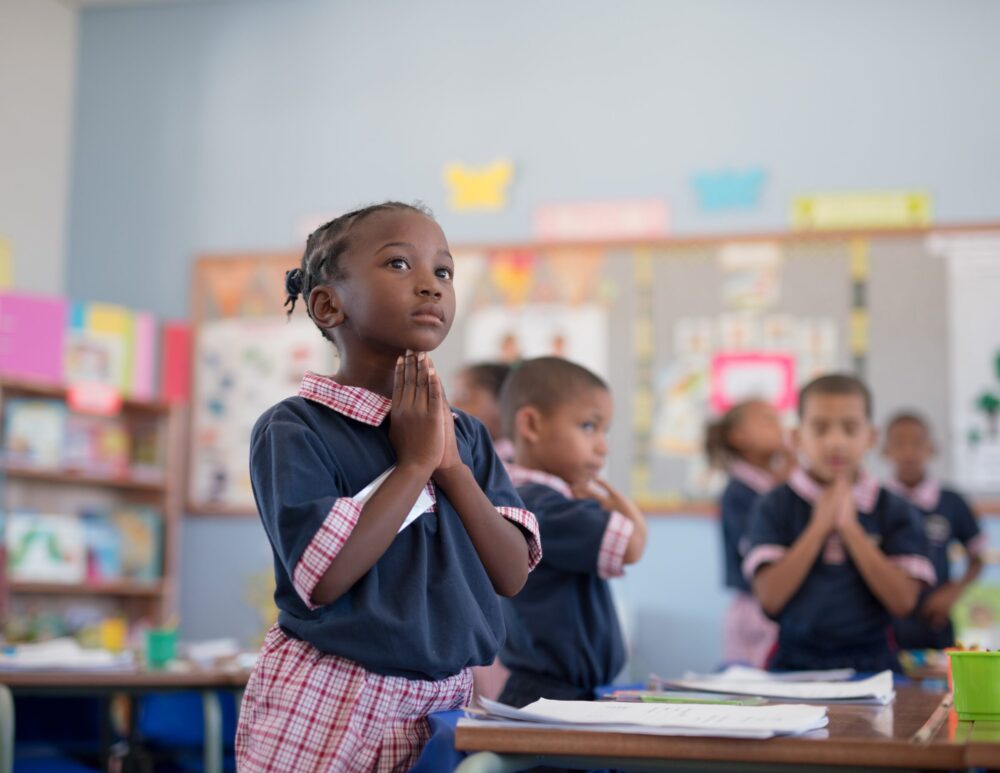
481,188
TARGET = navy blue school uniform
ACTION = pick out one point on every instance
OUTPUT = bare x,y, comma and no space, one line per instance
563,637
748,636
746,485
947,518
834,620
427,608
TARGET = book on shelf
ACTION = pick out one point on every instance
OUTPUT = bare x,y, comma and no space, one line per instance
141,533
104,550
96,444
45,547
34,431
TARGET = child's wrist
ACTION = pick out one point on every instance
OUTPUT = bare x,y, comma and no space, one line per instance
449,476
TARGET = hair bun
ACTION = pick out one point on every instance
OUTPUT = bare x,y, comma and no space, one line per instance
293,282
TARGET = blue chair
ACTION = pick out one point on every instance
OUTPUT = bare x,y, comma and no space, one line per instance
171,726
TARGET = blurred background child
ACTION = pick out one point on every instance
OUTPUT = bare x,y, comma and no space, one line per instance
834,556
747,442
947,519
477,392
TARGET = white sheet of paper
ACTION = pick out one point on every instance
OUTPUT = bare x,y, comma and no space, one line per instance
699,719
748,674
421,506
876,689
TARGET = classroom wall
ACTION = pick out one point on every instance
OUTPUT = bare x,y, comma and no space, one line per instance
37,75
233,121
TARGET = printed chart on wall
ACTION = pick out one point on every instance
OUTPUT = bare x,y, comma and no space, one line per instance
517,304
731,322
248,356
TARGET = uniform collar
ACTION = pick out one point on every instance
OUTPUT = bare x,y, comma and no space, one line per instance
924,495
354,402
519,476
865,490
761,481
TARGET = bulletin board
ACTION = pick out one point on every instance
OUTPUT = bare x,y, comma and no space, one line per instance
679,328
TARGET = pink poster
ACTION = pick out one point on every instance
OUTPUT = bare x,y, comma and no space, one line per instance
752,375
602,220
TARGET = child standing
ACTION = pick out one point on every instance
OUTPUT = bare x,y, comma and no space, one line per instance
833,556
380,618
947,518
477,392
749,443
563,637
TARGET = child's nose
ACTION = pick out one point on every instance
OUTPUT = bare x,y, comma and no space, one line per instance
428,290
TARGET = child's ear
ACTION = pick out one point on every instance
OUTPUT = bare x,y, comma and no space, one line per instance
325,308
527,423
795,438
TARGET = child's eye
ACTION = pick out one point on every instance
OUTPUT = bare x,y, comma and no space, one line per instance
444,273
588,426
399,263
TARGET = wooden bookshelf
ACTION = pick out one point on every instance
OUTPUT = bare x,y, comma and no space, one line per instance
70,490
116,588
75,477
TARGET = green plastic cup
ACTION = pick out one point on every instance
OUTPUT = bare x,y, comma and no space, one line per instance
976,683
161,646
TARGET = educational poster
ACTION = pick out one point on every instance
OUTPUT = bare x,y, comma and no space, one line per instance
733,321
751,275
974,273
527,303
243,366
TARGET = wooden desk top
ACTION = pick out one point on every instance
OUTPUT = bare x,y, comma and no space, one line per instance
858,735
137,679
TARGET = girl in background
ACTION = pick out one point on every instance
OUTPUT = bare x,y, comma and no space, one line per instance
749,444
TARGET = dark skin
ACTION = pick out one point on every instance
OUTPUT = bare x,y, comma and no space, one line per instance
393,302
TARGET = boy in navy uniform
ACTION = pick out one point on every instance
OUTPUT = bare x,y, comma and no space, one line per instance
833,556
563,638
947,519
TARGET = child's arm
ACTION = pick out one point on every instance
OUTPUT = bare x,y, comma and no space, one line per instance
776,583
937,606
892,586
500,543
418,439
613,501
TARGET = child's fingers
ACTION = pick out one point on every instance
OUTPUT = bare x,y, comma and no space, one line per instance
397,383
409,378
434,391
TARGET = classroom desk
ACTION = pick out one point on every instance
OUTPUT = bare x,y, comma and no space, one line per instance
858,737
132,682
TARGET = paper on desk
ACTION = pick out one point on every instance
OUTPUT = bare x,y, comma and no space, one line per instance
423,504
747,674
62,655
490,722
876,689
686,719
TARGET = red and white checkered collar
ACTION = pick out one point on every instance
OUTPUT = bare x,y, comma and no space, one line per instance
522,475
761,481
924,495
353,402
865,490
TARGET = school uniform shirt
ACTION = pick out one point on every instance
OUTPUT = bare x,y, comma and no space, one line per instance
746,485
947,518
562,626
348,686
748,636
834,620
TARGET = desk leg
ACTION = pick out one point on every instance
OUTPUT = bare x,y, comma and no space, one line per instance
6,730
212,710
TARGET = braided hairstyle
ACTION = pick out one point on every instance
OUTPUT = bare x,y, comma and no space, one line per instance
324,247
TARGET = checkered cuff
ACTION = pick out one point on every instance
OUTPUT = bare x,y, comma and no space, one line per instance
611,555
529,523
325,546
760,555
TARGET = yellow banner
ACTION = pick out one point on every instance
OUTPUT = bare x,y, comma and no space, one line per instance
843,211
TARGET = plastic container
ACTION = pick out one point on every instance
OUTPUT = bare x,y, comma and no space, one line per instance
975,680
161,646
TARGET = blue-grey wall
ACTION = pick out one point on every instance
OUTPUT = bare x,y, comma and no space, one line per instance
218,125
